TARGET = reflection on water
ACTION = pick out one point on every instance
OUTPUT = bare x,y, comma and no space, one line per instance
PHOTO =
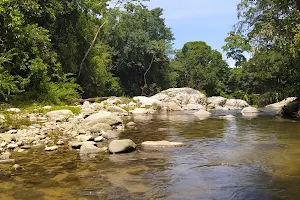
242,158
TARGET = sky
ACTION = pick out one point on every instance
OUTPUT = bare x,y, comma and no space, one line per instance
194,20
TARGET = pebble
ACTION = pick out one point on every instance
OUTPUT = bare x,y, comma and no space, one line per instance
25,147
16,167
99,139
130,124
12,146
3,144
60,142
5,156
52,148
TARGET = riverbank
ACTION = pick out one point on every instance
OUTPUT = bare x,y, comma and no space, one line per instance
93,128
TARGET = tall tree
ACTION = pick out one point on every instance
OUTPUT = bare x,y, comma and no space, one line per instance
198,66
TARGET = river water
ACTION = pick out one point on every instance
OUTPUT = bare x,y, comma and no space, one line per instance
243,158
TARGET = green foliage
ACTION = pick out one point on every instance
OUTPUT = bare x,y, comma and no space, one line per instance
198,66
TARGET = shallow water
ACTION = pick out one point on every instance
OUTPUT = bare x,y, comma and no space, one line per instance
243,158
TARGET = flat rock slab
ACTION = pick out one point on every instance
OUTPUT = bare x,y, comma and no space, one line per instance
162,144
59,115
89,149
121,146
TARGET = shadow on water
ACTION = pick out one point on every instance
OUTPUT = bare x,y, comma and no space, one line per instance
243,158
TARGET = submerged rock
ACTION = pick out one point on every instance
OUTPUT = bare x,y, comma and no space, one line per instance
130,124
52,148
162,144
202,114
121,146
250,110
89,148
229,117
5,156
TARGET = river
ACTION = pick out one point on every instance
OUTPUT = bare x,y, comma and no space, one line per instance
244,158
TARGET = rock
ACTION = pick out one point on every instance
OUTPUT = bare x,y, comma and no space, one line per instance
16,167
3,144
229,117
163,143
172,106
86,105
192,107
77,145
99,139
250,110
121,146
236,104
60,142
181,96
12,146
110,135
282,103
20,143
5,156
116,109
2,118
8,161
89,149
202,114
25,147
59,115
12,132
52,148
47,107
102,117
130,124
83,138
97,128
216,101
21,150
15,110
4,176
7,137
36,126
141,111
146,101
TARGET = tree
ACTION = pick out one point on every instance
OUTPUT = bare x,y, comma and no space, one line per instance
198,66
139,41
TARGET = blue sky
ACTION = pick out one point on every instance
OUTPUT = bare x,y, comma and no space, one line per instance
205,20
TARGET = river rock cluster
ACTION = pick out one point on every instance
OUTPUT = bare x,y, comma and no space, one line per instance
98,125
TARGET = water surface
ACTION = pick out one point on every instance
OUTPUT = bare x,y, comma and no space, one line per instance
243,158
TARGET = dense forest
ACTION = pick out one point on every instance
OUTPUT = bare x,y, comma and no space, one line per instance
53,51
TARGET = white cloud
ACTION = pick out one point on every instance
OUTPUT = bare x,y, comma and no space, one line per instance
179,9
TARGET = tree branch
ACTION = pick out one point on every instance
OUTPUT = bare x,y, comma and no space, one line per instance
150,65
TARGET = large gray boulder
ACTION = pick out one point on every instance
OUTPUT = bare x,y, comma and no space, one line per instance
121,146
104,117
181,96
59,115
